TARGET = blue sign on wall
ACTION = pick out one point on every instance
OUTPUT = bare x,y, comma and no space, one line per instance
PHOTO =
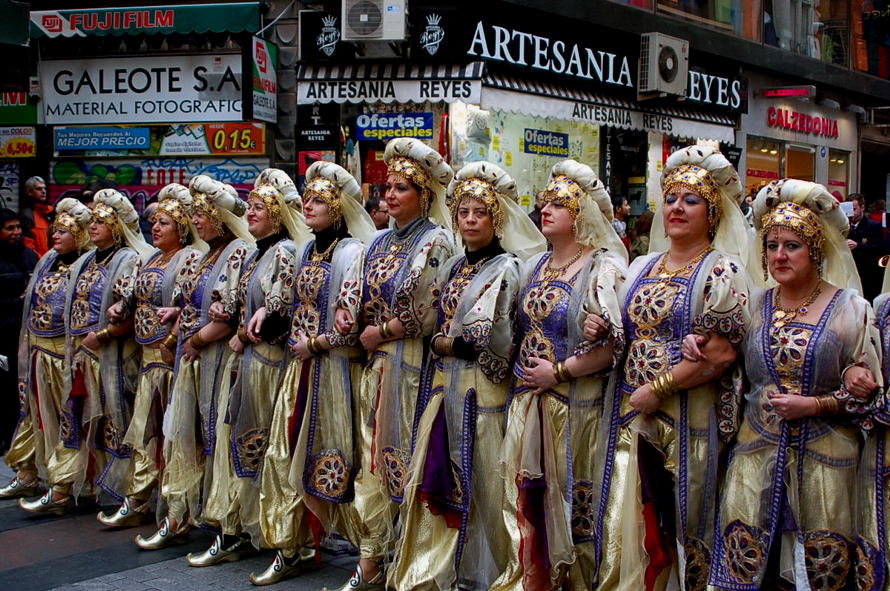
546,143
386,126
101,138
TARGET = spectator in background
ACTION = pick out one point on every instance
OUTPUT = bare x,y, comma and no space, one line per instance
17,262
535,214
378,209
877,210
35,214
866,240
640,244
145,223
622,213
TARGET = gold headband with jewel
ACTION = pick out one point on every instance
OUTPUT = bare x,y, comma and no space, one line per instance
107,215
696,179
325,190
798,219
66,221
270,196
482,191
177,211
566,192
417,174
202,205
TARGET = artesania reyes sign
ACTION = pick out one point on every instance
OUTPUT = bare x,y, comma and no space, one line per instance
520,48
174,89
263,100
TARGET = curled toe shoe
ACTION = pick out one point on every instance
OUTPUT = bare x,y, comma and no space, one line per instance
164,537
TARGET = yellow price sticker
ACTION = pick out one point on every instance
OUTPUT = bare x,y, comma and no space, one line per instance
508,158
496,143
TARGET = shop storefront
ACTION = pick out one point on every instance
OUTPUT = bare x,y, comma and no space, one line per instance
18,146
528,101
797,138
162,115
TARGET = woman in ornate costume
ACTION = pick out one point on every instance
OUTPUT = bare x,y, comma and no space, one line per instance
873,511
190,422
556,398
142,298
101,361
262,307
398,312
667,416
453,533
307,479
42,352
787,511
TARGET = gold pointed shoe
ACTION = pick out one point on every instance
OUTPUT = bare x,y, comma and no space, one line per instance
125,516
216,554
276,572
357,582
164,537
17,488
46,505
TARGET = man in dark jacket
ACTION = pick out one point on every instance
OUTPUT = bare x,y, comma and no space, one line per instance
17,262
866,241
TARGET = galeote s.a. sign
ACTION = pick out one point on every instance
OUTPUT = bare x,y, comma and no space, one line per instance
142,89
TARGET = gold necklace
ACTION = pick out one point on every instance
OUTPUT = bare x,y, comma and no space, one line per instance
783,316
318,257
665,275
551,273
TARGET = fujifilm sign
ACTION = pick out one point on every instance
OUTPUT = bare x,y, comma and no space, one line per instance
526,49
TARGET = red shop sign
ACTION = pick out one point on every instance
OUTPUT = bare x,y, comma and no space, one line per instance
797,121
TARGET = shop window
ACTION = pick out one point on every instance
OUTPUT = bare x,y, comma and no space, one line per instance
816,28
647,4
722,14
524,145
800,162
871,37
838,172
763,163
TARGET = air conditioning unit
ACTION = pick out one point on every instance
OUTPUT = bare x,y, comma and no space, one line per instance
664,66
373,20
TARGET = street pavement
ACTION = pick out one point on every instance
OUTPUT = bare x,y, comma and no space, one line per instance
75,553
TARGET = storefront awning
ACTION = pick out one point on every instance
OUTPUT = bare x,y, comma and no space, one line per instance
542,99
220,17
376,82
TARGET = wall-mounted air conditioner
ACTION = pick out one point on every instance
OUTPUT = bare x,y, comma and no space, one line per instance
374,20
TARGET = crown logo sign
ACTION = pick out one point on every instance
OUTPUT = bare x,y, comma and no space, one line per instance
433,20
329,21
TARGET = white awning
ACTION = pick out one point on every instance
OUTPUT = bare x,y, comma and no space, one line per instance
542,99
376,82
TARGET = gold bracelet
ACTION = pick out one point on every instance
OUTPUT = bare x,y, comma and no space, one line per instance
828,405
819,409
314,345
170,342
670,384
197,342
561,372
657,387
385,330
664,385
242,336
103,336
564,375
449,346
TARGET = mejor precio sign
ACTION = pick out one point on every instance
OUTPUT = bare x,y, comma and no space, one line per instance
385,126
142,89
